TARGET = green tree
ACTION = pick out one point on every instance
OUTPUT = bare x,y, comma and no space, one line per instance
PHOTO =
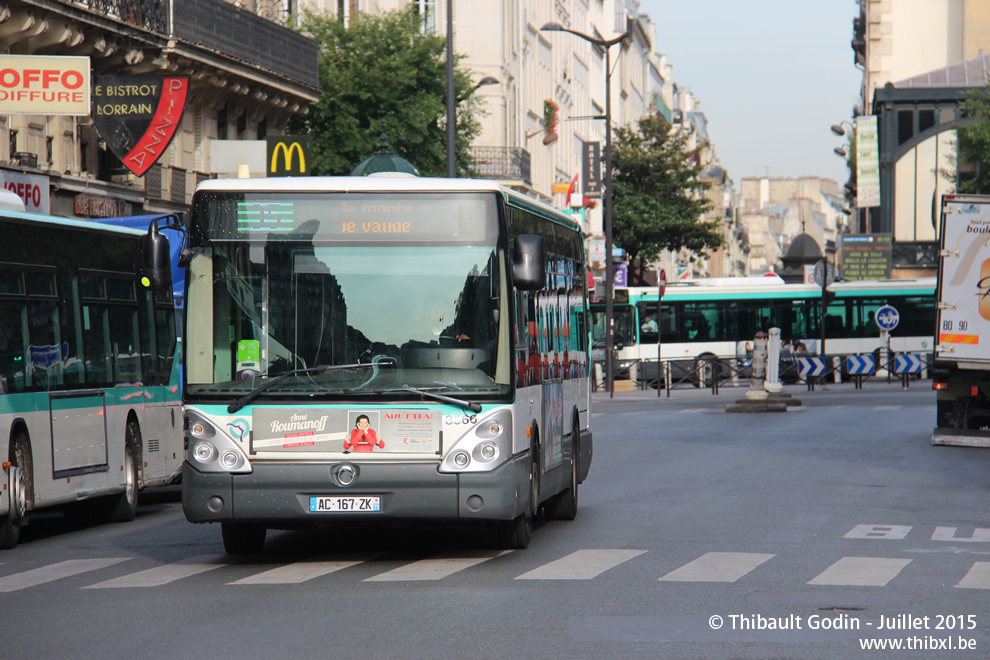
383,67
658,195
973,144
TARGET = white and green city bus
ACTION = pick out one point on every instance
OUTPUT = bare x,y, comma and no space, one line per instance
714,321
90,407
380,348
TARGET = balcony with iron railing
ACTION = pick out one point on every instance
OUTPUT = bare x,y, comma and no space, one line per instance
257,39
502,163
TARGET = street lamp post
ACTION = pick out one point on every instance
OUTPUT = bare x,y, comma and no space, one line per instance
605,44
451,121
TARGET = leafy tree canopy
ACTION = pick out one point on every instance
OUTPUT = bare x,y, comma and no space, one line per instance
383,67
973,145
658,197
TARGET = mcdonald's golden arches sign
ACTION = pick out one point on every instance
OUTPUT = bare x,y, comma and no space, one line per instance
288,155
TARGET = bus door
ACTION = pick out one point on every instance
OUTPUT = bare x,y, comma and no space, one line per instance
79,432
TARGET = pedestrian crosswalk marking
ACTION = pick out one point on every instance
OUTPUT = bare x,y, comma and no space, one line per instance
978,577
861,571
299,571
718,567
156,577
436,568
581,565
54,572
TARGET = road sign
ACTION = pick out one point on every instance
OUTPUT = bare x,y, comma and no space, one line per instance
824,272
810,366
859,365
908,363
663,283
887,318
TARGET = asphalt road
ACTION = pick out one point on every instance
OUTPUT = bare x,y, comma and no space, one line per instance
701,534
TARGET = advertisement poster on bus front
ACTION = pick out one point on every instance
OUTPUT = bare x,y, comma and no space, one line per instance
346,430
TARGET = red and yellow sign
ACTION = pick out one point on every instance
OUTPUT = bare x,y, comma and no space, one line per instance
950,338
44,85
139,115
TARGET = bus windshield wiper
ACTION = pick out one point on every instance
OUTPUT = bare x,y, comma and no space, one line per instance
469,405
253,394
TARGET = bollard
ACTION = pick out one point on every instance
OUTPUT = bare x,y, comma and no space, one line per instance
756,384
772,383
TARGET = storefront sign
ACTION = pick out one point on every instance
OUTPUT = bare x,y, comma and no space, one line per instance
90,206
44,85
591,167
139,115
32,188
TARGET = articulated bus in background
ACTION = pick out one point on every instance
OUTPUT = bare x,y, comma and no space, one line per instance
382,348
89,382
718,318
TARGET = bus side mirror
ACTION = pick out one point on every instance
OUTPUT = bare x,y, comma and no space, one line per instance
528,265
155,266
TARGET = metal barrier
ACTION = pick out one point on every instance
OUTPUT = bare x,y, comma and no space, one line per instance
712,372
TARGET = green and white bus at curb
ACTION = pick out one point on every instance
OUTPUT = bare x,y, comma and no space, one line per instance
371,349
90,408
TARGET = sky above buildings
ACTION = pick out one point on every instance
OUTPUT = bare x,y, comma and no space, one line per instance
772,76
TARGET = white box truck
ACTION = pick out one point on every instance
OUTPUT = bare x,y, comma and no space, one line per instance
961,374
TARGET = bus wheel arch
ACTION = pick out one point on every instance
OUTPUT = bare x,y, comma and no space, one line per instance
564,505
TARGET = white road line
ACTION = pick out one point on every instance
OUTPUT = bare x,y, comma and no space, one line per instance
581,565
436,568
977,578
299,572
156,577
53,572
717,567
861,571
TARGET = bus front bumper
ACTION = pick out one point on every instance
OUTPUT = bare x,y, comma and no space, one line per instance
278,495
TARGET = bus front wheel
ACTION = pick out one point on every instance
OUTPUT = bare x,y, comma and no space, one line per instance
241,539
21,492
123,507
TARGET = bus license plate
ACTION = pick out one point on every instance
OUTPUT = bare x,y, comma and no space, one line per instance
345,504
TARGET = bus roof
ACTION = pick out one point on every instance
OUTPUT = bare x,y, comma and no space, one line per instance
67,222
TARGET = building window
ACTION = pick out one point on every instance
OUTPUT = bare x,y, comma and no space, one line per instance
427,10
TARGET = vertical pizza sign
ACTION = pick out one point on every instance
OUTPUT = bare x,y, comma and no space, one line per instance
138,115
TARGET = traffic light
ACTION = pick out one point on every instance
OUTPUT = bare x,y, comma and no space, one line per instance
858,42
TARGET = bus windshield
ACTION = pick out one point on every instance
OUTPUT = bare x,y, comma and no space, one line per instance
423,316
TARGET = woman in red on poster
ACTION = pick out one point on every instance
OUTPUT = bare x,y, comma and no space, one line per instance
363,438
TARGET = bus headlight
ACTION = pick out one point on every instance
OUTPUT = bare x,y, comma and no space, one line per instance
484,447
211,449
204,452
